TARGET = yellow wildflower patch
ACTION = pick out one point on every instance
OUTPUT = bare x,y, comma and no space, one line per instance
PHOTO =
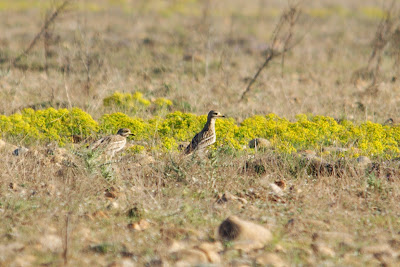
306,132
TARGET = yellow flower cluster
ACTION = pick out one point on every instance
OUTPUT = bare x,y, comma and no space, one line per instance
47,125
131,103
126,100
307,132
316,132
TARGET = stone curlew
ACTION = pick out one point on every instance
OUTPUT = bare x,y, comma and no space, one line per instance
207,136
112,143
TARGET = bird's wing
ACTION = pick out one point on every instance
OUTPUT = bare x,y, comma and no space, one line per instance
199,141
101,143
116,144
193,144
206,140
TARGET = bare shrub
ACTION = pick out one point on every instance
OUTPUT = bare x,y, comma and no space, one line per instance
386,35
282,41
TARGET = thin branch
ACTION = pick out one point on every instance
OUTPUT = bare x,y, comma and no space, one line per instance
267,60
289,17
44,28
293,16
383,35
66,237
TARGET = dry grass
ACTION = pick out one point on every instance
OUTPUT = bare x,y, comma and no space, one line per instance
200,55
177,197
200,62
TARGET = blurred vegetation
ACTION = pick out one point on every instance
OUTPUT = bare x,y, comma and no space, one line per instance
166,132
186,7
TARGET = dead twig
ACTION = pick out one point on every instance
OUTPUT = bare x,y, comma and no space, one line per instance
44,29
383,34
282,41
291,18
65,252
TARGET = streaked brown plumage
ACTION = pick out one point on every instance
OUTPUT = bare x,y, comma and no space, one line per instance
392,121
207,136
112,143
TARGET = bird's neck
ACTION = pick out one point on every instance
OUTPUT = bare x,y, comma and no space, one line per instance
210,124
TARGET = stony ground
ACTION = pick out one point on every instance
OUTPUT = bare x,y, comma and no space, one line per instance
59,206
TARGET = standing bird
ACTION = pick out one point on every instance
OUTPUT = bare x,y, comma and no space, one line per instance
207,136
112,143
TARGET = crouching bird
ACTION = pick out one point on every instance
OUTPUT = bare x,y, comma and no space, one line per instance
207,136
112,143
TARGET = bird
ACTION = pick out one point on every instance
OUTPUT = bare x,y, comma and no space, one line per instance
392,122
112,143
205,137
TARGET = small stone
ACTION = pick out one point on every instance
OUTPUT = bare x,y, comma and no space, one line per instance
323,250
211,250
6,146
317,224
260,143
244,234
189,257
139,226
113,205
100,214
276,190
226,197
379,249
363,160
174,245
270,259
111,192
338,236
157,263
122,263
279,248
281,184
308,154
20,151
13,186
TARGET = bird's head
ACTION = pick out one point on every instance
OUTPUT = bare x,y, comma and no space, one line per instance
215,114
125,132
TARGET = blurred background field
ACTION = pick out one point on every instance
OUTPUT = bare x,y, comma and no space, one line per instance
200,54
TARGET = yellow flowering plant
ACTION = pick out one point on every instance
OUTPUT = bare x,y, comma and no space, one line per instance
126,102
47,125
306,132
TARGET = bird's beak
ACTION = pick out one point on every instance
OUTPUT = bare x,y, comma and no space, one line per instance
222,116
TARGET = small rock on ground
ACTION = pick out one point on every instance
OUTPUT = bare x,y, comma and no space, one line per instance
245,235
270,259
260,143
